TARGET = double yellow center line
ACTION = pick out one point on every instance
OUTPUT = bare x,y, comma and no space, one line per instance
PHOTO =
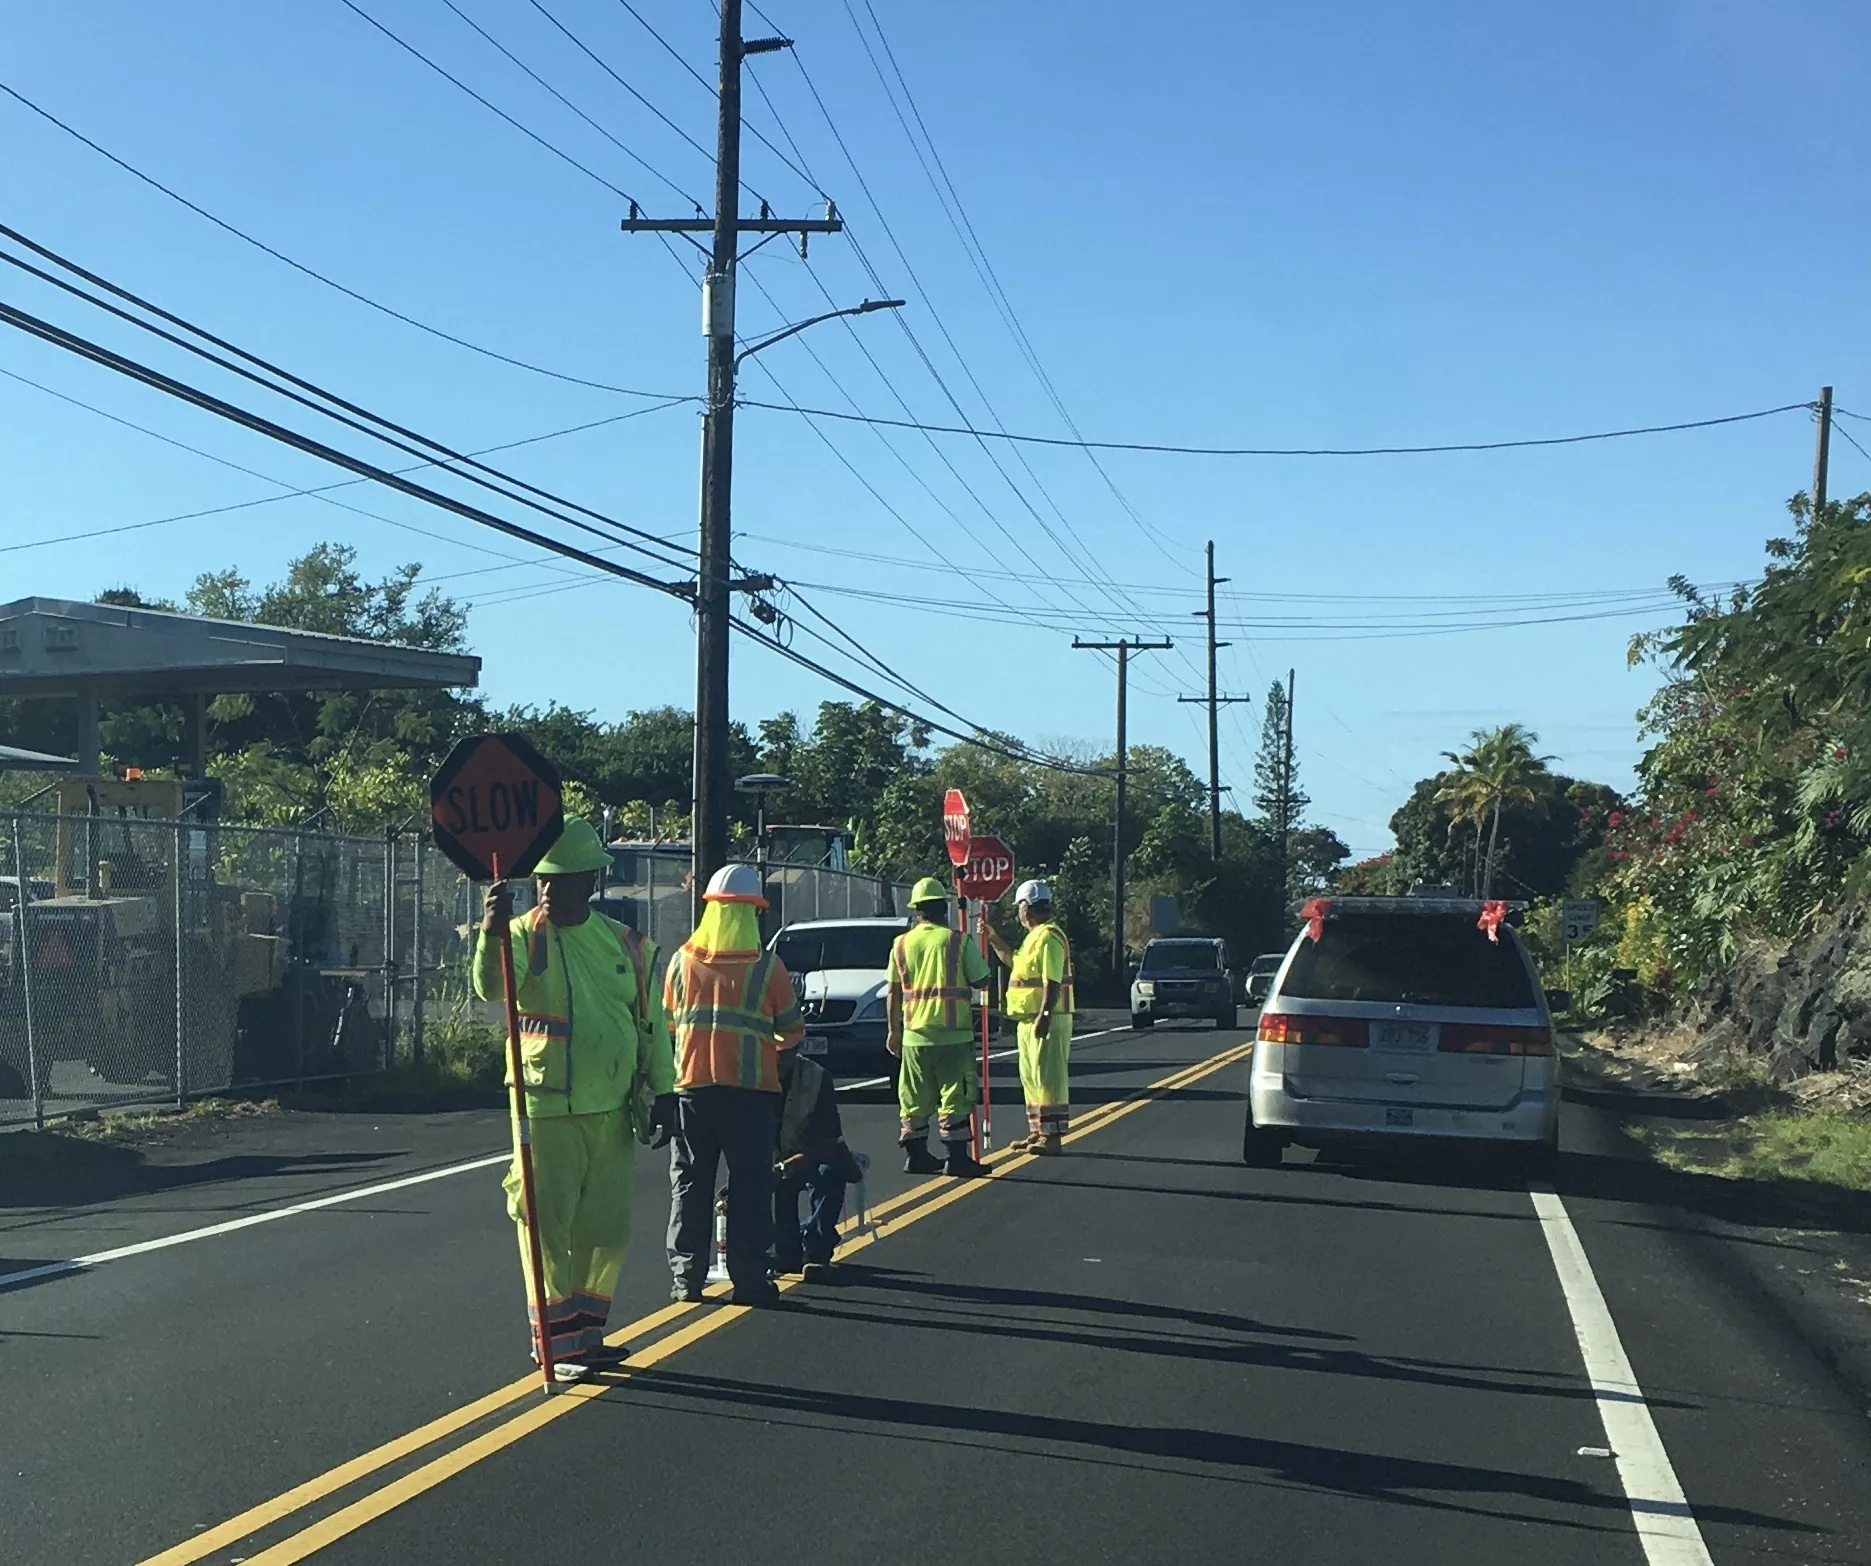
929,1197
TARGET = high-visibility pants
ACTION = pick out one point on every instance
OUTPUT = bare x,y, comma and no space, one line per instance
583,1176
938,1079
1044,1079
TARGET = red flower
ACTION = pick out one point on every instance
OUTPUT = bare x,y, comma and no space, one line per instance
1616,818
1833,817
1711,791
1838,753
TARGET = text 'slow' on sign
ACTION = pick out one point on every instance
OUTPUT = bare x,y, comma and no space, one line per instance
495,801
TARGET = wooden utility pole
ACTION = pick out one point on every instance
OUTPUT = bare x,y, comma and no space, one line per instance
1822,457
1214,702
1123,647
712,782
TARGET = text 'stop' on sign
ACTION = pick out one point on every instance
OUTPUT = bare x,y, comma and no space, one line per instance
495,806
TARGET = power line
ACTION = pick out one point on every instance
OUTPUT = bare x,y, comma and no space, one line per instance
320,277
290,492
316,391
628,152
1852,438
1285,451
71,342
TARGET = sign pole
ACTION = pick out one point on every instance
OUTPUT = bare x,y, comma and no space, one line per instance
987,1088
523,1148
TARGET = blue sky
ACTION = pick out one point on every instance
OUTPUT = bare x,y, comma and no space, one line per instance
1253,225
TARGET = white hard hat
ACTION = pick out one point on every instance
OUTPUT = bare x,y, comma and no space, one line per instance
735,884
1033,892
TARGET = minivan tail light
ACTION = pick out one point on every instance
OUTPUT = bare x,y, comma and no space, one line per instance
1484,1038
1285,1027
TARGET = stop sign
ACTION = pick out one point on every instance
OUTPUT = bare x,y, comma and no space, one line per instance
955,830
495,799
988,870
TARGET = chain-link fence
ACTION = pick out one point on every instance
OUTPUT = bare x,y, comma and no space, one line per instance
145,960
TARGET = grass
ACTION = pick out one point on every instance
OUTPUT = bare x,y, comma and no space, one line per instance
124,1124
1825,1146
461,1053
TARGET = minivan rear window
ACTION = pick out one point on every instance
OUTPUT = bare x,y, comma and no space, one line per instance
1424,960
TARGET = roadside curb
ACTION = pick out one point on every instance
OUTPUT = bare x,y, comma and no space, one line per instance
1815,1304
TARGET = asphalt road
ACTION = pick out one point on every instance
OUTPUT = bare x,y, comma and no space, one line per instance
1140,1351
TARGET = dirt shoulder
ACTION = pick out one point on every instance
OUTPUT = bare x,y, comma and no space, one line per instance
1780,1175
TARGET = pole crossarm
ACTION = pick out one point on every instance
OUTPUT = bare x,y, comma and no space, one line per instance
706,225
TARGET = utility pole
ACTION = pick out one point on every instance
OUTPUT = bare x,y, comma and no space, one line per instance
1123,647
1822,458
712,782
1214,702
1286,787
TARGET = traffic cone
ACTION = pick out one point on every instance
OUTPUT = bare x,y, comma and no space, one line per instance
718,1268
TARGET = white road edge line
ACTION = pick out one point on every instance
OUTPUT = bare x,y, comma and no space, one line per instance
10,1280
999,1054
1666,1527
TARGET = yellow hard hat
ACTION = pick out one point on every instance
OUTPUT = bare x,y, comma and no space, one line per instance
928,890
576,850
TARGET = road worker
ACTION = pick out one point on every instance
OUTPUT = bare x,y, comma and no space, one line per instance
1039,996
933,973
732,1007
598,1072
812,1161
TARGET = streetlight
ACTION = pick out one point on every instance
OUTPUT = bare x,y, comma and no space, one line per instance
760,785
714,563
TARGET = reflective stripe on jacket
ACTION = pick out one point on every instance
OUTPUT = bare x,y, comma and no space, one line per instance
590,1023
1045,956
933,971
732,1014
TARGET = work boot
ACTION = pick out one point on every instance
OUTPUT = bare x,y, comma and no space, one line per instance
917,1159
818,1272
687,1293
961,1164
1046,1146
761,1296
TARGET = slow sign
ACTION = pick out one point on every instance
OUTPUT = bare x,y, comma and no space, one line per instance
956,832
988,871
494,806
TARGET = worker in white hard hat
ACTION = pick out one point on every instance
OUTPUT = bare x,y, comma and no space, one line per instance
732,1007
934,972
599,1074
1039,996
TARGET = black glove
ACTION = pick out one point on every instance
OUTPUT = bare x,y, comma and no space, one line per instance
665,1118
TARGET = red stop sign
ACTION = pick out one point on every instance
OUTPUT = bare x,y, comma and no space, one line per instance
988,870
955,830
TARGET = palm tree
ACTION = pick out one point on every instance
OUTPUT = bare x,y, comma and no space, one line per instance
1497,770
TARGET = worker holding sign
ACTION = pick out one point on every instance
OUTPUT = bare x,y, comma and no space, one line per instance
933,974
598,1070
1039,995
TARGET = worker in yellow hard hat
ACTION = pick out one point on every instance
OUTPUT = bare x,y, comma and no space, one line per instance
933,974
598,1071
1039,995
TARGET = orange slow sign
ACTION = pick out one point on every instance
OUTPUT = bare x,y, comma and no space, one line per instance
495,807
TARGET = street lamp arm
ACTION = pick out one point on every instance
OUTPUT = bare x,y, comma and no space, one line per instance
830,315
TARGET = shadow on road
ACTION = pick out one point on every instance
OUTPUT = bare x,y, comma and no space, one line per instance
1409,1482
45,1169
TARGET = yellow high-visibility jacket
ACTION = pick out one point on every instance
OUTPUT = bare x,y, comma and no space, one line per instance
1044,957
933,974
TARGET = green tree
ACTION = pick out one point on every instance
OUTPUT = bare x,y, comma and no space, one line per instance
1498,769
1277,794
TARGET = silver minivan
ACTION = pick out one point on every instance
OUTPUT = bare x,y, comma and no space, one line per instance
1401,1017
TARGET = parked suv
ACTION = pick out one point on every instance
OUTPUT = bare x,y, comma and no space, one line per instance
841,974
1182,978
1404,1019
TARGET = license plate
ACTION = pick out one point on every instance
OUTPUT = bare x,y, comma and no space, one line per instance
1399,1117
1409,1037
815,1045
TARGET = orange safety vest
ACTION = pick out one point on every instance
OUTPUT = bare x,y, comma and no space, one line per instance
729,1031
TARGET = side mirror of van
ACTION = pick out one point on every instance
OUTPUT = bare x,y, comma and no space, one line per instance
1559,1000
